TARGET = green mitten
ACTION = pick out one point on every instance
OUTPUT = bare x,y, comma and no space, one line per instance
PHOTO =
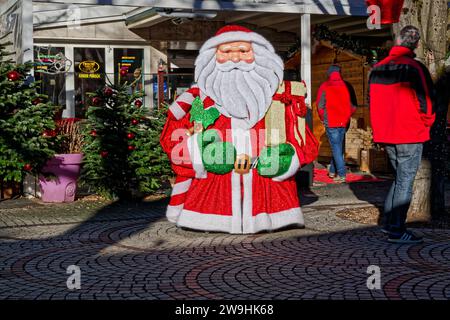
207,137
217,156
275,161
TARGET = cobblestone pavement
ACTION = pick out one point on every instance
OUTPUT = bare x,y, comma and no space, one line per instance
131,252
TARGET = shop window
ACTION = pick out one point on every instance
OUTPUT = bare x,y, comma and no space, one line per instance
89,76
174,85
50,70
131,61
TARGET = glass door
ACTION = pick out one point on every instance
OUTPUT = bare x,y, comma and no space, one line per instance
89,76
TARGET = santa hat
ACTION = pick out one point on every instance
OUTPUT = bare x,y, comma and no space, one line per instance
231,33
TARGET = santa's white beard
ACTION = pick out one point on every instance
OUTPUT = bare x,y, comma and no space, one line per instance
241,90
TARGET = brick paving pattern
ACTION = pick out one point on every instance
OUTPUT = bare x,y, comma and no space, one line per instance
131,252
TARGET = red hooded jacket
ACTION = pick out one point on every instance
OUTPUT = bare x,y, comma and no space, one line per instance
400,91
334,102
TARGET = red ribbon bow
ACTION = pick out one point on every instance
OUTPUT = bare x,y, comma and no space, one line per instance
297,103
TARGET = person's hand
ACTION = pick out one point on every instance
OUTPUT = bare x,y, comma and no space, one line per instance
217,156
275,161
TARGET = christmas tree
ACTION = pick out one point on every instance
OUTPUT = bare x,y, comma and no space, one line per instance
122,155
27,126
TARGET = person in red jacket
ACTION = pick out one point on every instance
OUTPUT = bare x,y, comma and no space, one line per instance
336,101
401,111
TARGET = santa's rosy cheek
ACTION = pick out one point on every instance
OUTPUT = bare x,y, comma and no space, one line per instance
249,60
221,58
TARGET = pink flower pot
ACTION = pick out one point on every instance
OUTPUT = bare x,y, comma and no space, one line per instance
63,187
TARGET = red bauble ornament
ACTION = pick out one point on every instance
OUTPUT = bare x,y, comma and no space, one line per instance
27,167
93,133
131,148
36,101
49,133
134,122
138,103
96,101
131,135
104,154
13,75
108,91
123,72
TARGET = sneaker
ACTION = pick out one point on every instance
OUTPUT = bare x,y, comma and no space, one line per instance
406,237
385,230
331,175
339,179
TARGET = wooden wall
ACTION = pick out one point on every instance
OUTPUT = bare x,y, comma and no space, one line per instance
355,72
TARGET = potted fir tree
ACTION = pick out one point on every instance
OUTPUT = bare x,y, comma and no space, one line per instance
123,158
58,181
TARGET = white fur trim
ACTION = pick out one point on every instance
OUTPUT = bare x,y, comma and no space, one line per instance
248,225
293,168
274,221
186,96
241,139
236,223
237,36
203,221
196,158
263,221
173,212
241,136
181,187
177,111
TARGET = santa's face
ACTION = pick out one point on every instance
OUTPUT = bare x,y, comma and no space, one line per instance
241,77
235,52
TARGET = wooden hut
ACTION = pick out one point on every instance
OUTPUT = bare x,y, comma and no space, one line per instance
355,71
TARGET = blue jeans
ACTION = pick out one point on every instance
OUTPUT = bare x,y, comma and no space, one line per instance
405,159
336,137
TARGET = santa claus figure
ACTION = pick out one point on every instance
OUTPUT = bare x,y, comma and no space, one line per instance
234,140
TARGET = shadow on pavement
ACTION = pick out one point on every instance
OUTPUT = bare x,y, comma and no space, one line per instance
291,264
372,192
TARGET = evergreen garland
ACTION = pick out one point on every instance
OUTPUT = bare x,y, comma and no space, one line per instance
344,42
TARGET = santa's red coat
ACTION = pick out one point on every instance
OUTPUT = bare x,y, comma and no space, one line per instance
231,202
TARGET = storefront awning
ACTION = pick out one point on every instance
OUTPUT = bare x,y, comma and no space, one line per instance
329,7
